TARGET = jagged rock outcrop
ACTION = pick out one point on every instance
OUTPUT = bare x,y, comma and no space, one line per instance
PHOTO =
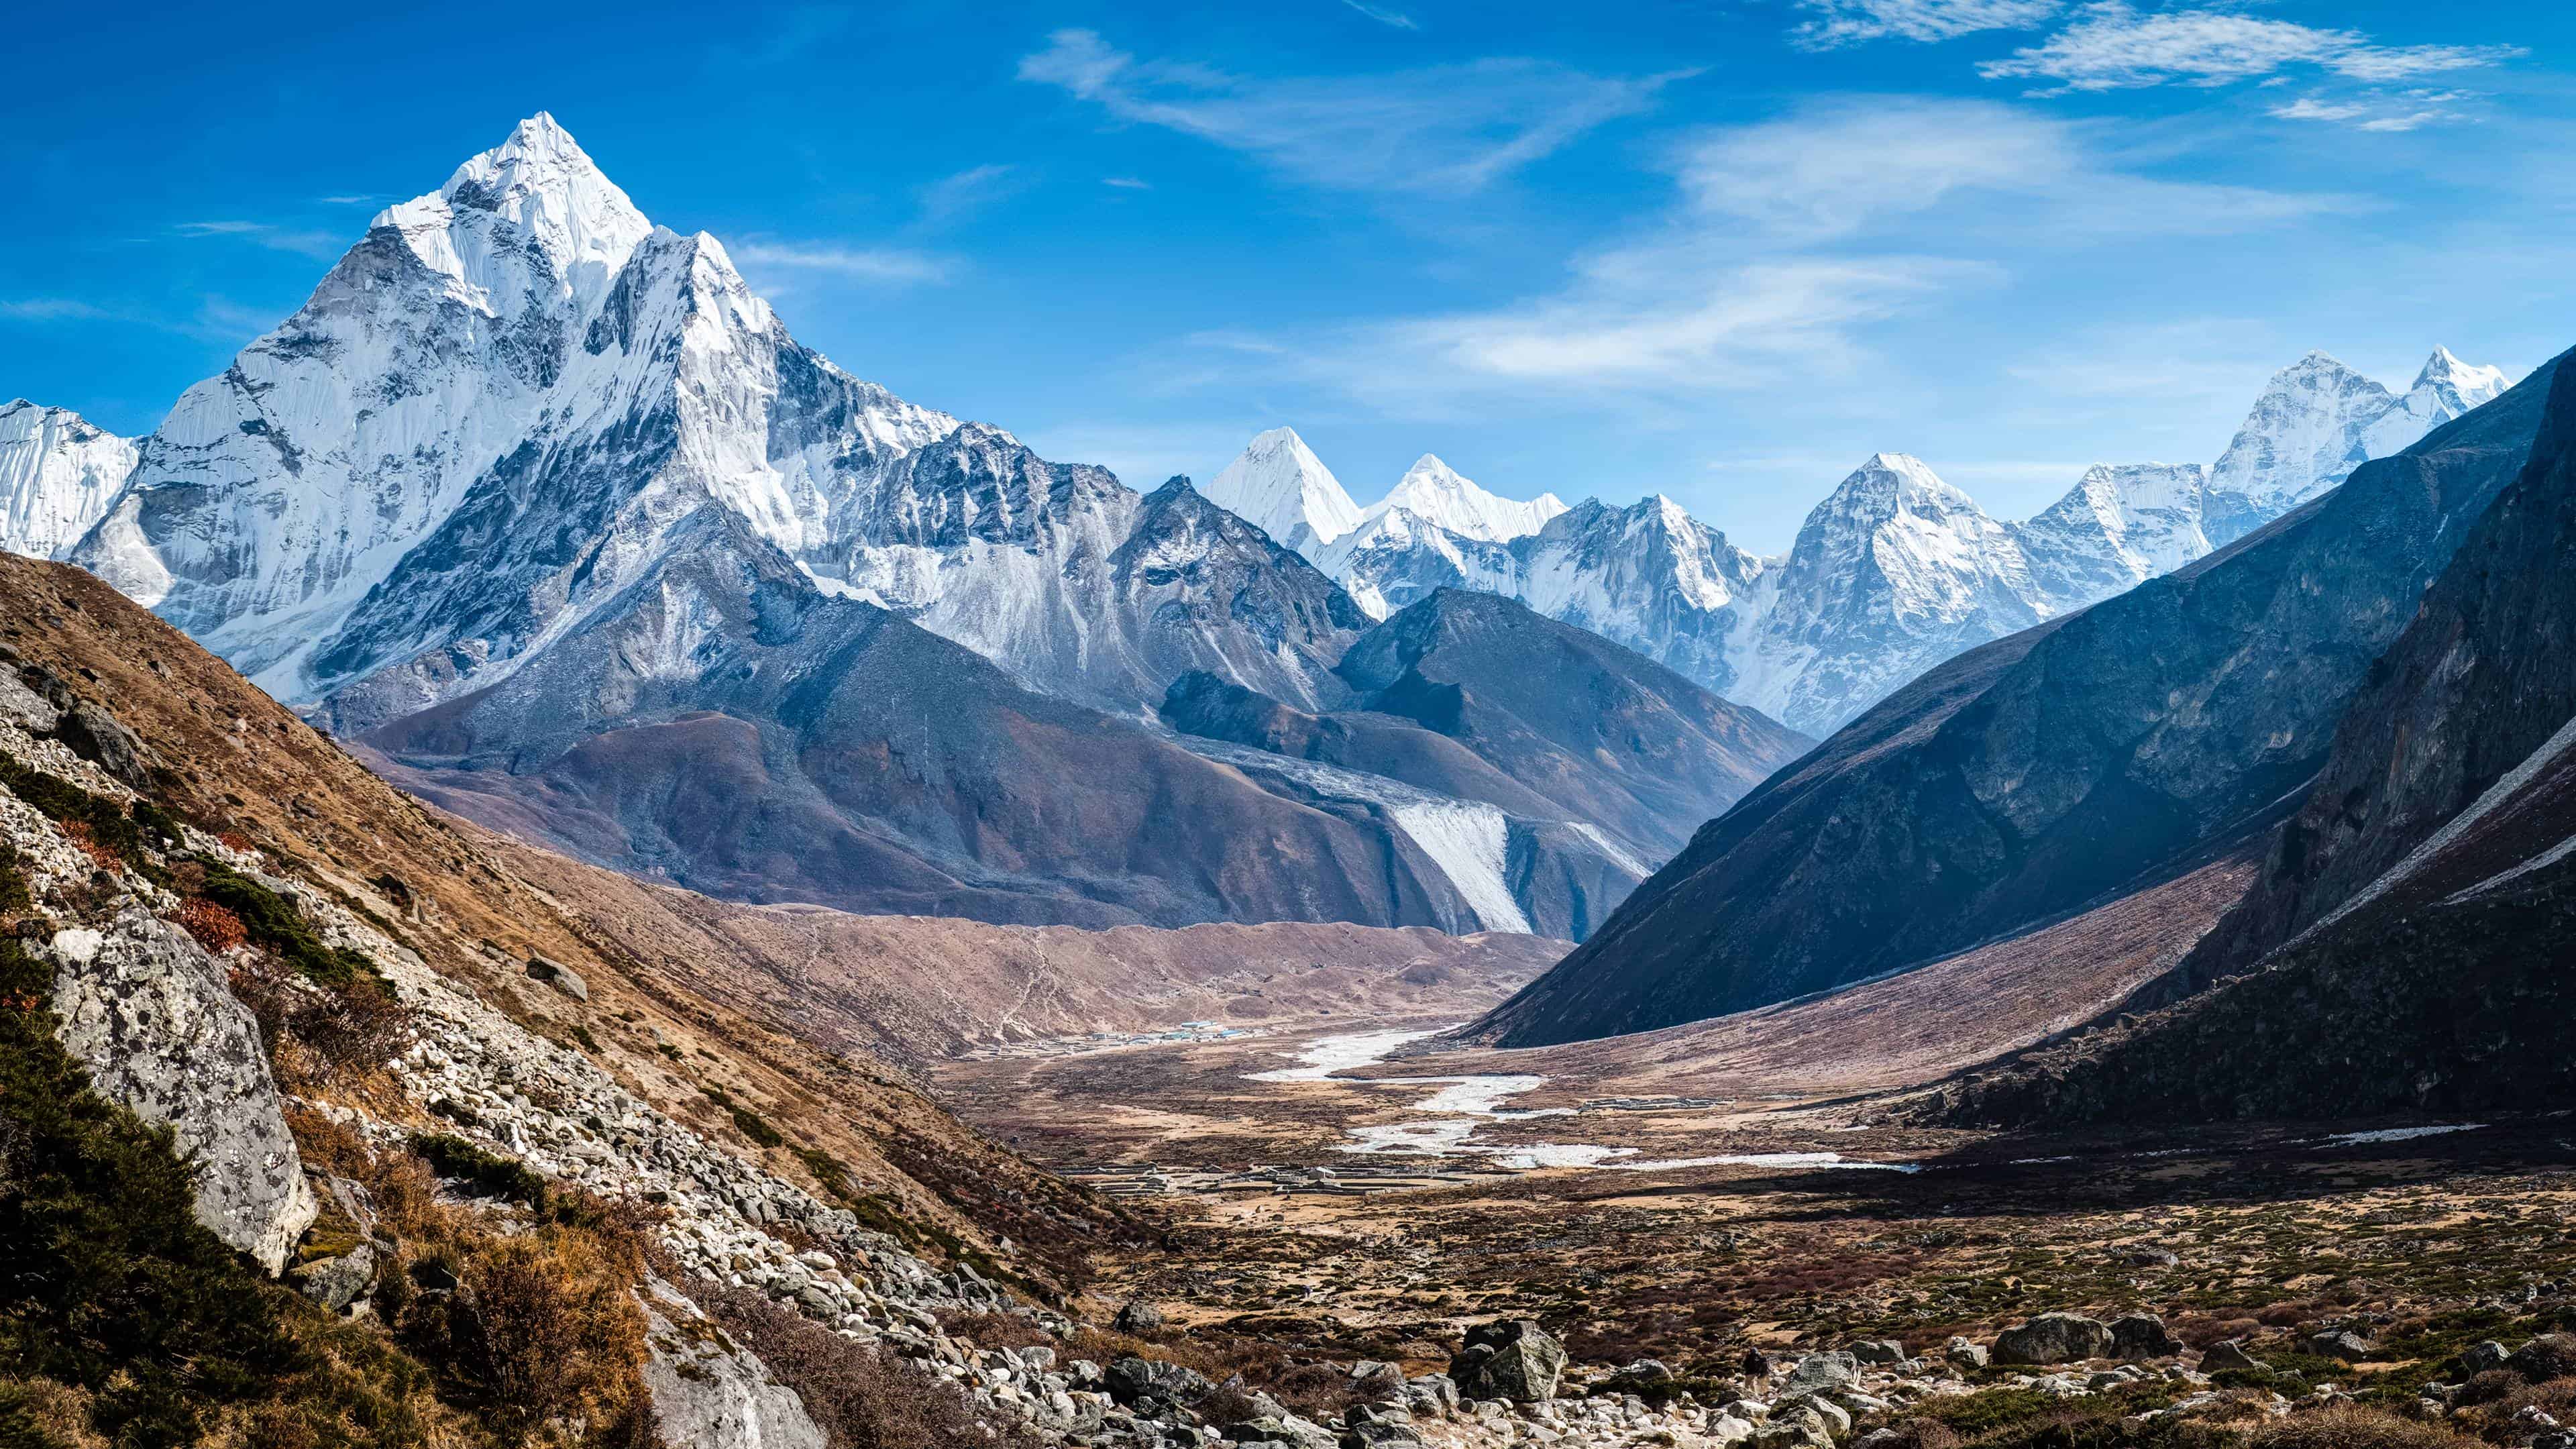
2049,769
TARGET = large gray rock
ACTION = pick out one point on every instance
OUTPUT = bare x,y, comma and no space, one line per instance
335,1283
98,737
709,1394
1822,1373
148,1012
2142,1335
559,976
1147,1384
2054,1338
2227,1354
2342,1344
1511,1358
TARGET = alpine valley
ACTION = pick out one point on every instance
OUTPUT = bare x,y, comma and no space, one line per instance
573,874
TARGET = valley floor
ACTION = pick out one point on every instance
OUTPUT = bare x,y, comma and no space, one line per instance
1768,1215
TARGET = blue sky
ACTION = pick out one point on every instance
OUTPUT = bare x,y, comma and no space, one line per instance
1720,249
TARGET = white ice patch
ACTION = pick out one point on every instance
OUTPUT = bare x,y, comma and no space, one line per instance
1327,1055
1470,844
1772,1159
2400,1134
1611,850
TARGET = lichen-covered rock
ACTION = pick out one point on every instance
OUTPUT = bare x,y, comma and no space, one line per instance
1510,1358
147,1011
708,1393
98,737
2054,1338
335,1283
1822,1373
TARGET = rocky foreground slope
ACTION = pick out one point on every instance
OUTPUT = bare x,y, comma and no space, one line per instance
515,1174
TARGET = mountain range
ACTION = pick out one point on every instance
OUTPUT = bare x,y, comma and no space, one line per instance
2081,760
1893,572
544,507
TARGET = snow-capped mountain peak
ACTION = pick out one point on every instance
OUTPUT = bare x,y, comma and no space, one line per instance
2466,384
1439,494
2316,421
58,473
1279,486
549,191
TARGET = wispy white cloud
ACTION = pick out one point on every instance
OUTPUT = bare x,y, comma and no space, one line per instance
1127,183
49,309
1849,22
321,244
1384,16
1785,244
867,264
2408,111
953,197
351,200
2113,46
1840,168
1447,131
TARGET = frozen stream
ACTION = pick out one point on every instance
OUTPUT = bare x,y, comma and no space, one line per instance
1463,1103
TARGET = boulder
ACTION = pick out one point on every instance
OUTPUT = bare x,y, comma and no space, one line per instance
1879,1351
1966,1354
90,732
2477,1358
1150,1383
2341,1343
1432,1396
335,1283
149,1013
2142,1335
2228,1354
2550,1356
2054,1338
559,976
1821,1373
1645,1373
1510,1358
1798,1428
709,1394
1138,1316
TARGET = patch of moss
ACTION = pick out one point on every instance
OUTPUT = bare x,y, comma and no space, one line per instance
746,1121
60,800
275,923
490,1172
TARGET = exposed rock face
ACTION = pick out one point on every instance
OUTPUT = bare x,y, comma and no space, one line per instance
147,1011
709,1394
2398,950
1557,765
2054,1338
2043,771
730,727
1511,1359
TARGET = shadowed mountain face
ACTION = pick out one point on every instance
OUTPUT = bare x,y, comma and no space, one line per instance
2085,757
1605,734
1578,762
723,724
2406,944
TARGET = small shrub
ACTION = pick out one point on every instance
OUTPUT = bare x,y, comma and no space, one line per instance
216,929
491,1173
2350,1427
275,923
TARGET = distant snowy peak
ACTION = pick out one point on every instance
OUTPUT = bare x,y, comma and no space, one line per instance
2120,525
58,473
2316,421
1279,486
1437,493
